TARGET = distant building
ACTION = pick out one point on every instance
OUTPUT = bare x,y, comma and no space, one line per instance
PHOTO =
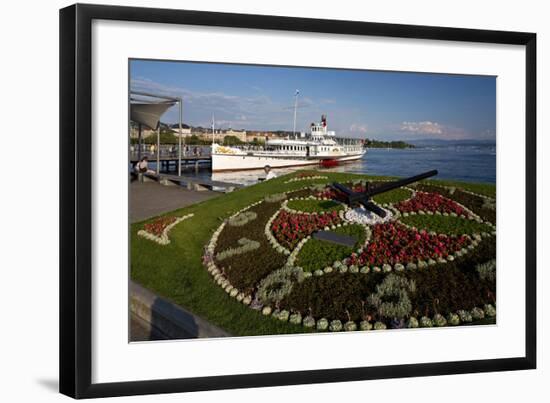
240,134
185,130
258,136
145,132
220,135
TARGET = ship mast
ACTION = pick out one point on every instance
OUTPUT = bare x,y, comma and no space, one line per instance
212,129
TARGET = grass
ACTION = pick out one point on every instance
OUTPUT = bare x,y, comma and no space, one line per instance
393,196
314,206
446,224
175,271
317,254
487,189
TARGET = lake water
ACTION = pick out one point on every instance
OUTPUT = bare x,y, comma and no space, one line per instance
468,163
462,162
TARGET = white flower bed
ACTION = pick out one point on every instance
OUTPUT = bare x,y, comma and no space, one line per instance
163,239
336,325
305,178
360,215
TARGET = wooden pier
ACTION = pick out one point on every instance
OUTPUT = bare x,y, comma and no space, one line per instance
169,163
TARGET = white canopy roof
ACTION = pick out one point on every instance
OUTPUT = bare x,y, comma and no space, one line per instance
148,114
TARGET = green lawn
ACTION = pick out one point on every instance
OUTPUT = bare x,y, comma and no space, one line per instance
175,271
446,225
317,254
393,196
487,189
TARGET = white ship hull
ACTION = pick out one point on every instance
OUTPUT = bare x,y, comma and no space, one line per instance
320,145
241,162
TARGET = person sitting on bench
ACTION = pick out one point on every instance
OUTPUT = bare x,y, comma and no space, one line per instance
143,168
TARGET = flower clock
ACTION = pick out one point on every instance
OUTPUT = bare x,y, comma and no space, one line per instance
429,263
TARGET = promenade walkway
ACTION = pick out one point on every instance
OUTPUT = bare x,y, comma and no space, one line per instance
148,199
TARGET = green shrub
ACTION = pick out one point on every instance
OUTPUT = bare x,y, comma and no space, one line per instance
380,326
465,316
439,320
335,326
487,271
322,324
391,299
278,284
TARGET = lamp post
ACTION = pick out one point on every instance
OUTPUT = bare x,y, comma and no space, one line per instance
158,149
179,143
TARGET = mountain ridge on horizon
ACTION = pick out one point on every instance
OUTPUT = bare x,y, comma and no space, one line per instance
450,142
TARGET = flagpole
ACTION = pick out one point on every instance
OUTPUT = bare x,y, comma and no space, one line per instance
295,107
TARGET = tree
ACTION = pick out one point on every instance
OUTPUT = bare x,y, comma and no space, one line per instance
195,140
257,141
165,138
231,141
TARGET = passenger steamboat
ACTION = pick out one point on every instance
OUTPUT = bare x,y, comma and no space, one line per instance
319,147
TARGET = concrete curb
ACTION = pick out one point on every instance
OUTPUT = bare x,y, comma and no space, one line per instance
171,320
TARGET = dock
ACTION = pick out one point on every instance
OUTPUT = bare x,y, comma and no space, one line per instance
169,162
193,183
189,182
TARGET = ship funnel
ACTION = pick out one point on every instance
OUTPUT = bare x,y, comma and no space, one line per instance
324,120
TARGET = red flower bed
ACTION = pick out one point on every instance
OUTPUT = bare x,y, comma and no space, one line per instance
289,228
393,243
331,194
157,227
430,202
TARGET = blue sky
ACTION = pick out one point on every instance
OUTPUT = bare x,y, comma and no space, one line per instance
359,103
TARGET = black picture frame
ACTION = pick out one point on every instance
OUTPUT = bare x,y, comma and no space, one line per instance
76,199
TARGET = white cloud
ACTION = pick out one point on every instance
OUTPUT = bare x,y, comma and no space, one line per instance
359,128
426,127
433,129
248,112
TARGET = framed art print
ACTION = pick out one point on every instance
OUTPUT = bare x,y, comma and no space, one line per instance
255,201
